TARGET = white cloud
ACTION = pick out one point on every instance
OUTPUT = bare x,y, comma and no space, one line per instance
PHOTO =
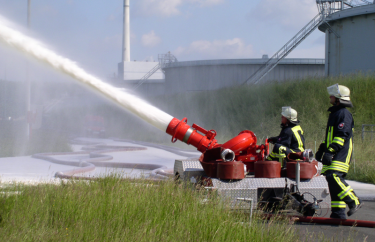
204,49
167,8
150,39
288,13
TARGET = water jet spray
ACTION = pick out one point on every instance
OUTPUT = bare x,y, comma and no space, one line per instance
230,160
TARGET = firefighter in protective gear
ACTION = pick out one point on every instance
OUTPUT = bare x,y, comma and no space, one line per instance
336,152
291,137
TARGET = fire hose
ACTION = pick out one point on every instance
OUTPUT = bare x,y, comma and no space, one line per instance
331,221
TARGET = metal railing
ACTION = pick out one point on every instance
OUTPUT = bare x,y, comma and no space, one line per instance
327,7
286,49
372,131
148,74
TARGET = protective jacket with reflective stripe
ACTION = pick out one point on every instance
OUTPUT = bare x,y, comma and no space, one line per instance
291,136
339,138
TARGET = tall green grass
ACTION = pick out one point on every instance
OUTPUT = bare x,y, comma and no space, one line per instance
112,209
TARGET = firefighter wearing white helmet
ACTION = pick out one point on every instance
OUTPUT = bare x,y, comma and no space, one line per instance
291,137
336,152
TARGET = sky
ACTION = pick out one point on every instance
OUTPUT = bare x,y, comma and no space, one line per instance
89,32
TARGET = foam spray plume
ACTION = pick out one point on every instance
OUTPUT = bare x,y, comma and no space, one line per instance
135,105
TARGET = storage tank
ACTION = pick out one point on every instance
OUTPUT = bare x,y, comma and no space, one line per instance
350,36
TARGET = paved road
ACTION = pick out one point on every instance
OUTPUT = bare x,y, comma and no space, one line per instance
341,233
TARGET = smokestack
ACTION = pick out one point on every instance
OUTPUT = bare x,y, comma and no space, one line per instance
126,34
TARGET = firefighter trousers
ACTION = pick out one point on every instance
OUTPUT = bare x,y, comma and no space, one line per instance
341,193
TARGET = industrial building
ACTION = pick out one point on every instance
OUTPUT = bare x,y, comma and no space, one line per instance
205,75
349,41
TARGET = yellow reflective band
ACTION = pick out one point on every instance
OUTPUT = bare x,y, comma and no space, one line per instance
342,185
348,158
338,140
354,197
329,136
345,191
337,169
343,194
340,164
295,132
338,204
275,155
331,150
350,193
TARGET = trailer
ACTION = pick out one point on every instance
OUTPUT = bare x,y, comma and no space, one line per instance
239,192
239,171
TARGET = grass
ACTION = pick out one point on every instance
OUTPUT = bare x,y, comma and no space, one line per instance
111,209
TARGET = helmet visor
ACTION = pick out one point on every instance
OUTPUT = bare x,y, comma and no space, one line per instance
334,90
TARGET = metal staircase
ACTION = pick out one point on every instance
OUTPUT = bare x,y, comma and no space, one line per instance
164,60
148,74
285,50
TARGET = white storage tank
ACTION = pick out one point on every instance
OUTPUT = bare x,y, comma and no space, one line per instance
350,38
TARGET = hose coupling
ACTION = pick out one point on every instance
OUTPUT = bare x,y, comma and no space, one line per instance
227,155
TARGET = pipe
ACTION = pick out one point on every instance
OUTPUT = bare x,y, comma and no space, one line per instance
298,170
126,34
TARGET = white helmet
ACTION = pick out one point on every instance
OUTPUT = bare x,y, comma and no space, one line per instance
290,114
339,91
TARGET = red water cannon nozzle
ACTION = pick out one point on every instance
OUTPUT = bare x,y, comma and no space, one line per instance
180,130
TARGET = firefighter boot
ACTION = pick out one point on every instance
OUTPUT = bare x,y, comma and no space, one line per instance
355,208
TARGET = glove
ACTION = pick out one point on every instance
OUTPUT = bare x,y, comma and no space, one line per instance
319,153
327,158
272,140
